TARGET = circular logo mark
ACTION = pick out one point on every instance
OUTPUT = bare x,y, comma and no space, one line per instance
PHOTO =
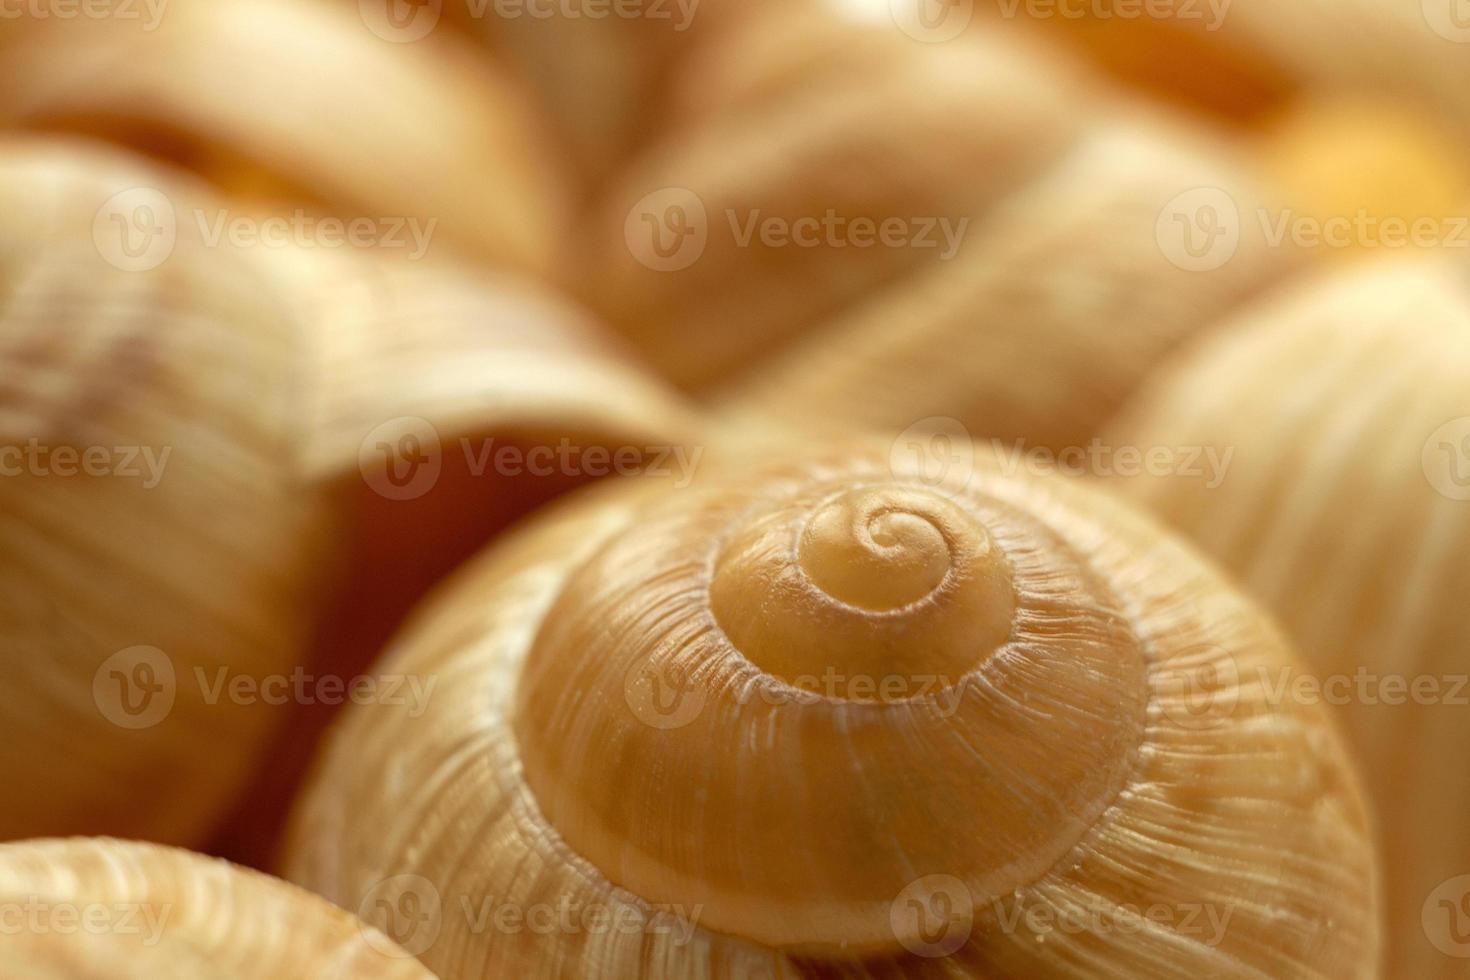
1446,459
135,230
1199,230
662,693
1201,692
667,231
1450,19
135,688
933,916
938,450
932,21
401,21
1446,917
401,459
408,910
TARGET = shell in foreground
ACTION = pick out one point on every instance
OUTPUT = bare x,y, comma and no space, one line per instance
90,907
843,716
1344,408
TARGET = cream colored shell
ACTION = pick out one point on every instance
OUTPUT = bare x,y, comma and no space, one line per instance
1062,301
176,549
1343,410
83,908
840,715
252,402
680,255
303,102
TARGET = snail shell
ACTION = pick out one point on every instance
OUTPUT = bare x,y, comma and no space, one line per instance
1070,293
82,908
838,715
1250,58
420,377
1348,397
682,263
174,546
1358,165
263,385
600,79
438,136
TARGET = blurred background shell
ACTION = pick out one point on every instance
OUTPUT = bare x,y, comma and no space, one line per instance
1052,279
705,716
298,102
82,908
679,255
444,403
1242,60
1344,407
272,389
1063,299
154,540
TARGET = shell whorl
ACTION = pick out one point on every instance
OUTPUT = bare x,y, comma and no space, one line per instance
785,705
662,706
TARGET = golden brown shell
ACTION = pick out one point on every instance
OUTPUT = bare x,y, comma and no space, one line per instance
1343,411
82,908
846,715
155,542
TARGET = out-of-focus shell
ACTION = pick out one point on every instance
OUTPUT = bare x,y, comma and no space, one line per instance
1341,413
155,544
299,101
1055,308
442,405
1367,176
83,908
834,716
278,394
1248,58
682,258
